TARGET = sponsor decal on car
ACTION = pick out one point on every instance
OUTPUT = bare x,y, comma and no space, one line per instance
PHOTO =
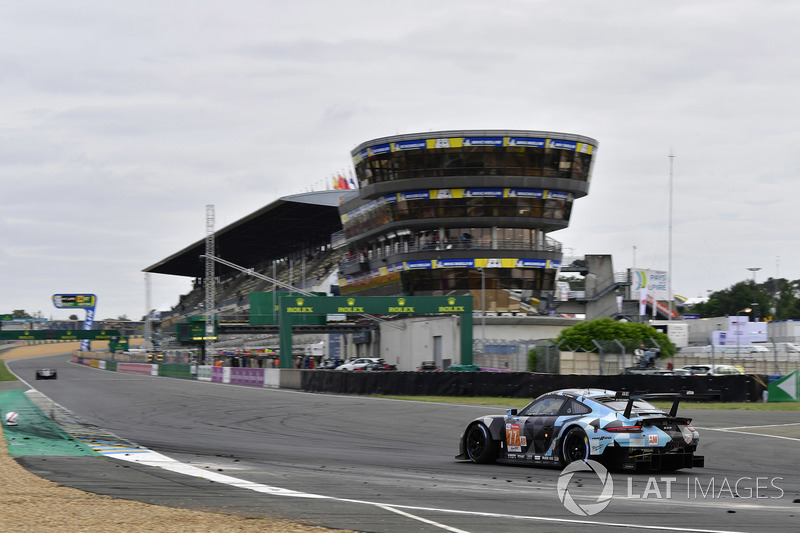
514,439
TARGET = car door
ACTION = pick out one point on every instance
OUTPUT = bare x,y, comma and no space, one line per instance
532,431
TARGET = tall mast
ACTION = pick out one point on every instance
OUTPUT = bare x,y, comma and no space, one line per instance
210,303
669,265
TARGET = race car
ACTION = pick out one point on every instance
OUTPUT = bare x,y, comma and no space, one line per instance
620,430
46,373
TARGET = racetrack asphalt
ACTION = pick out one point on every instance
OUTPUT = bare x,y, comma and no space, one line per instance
388,466
38,493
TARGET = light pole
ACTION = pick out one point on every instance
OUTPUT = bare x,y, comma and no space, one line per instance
755,301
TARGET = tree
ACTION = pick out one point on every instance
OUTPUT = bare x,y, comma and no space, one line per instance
734,300
787,304
20,313
630,334
575,283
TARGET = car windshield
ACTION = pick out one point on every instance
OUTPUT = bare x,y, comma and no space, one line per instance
547,406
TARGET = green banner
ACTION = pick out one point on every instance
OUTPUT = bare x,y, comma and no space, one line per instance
293,306
376,305
59,334
265,309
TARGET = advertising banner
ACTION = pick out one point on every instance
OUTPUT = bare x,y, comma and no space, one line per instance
654,281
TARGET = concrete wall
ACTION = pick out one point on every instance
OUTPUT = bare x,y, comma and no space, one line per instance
700,330
291,378
409,347
599,279
784,331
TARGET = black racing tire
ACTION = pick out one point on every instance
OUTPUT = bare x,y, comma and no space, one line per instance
574,446
38,376
480,446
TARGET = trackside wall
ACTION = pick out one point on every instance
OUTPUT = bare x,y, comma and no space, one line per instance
745,388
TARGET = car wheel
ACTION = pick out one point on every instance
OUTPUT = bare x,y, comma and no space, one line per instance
481,448
574,446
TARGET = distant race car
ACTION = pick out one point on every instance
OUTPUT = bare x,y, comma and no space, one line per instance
621,431
46,373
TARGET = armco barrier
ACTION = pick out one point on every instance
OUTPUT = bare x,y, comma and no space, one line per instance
175,371
204,372
247,376
221,374
138,368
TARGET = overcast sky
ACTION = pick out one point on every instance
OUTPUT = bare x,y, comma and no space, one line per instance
121,121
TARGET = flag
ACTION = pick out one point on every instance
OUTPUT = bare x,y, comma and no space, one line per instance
342,182
643,301
352,180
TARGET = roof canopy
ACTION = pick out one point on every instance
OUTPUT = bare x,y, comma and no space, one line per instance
286,226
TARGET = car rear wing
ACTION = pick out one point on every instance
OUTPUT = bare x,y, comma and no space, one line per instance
675,396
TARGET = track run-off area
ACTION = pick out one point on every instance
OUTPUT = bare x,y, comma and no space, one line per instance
379,465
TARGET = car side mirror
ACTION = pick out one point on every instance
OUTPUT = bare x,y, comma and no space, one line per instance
511,412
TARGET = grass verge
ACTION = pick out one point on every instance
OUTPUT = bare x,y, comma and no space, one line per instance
5,375
522,402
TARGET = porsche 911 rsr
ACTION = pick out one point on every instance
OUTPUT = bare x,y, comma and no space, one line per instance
569,425
46,373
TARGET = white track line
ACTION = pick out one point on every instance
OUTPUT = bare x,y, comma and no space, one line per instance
162,461
737,430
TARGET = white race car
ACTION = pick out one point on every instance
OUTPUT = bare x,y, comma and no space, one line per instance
46,373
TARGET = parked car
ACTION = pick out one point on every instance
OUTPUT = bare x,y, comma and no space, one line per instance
380,366
710,370
428,365
359,364
46,373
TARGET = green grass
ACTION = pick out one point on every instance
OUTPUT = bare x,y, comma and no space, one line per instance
522,402
5,375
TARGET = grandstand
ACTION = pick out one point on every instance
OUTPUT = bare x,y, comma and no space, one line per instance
289,240
436,213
